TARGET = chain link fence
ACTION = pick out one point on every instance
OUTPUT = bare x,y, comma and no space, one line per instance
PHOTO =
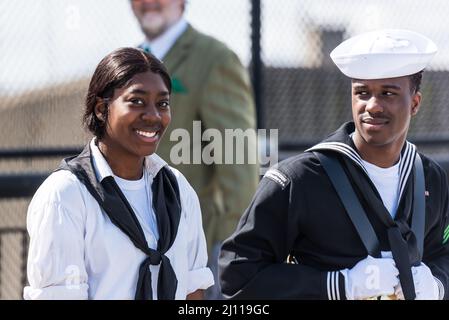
306,97
49,49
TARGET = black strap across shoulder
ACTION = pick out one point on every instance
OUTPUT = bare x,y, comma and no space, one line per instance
355,211
351,203
419,206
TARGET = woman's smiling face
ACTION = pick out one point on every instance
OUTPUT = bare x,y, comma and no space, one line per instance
138,115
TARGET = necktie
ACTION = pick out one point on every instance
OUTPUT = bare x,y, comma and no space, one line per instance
167,209
146,47
397,231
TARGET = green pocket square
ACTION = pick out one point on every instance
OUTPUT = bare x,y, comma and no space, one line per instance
177,86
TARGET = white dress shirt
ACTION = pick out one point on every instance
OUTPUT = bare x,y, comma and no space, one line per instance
76,252
162,44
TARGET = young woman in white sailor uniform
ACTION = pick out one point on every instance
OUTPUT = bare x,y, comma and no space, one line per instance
116,222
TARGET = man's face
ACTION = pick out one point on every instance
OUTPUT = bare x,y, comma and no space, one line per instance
382,110
156,16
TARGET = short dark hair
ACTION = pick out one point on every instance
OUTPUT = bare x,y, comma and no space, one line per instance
415,81
113,72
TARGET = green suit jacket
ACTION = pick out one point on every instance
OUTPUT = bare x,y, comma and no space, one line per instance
211,85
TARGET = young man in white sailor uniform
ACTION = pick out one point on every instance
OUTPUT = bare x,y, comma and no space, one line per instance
360,215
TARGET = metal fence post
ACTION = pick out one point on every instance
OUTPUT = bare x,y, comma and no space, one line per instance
256,61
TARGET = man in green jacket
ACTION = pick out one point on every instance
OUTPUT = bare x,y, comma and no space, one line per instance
210,85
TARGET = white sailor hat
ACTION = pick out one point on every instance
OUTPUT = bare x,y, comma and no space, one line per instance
386,53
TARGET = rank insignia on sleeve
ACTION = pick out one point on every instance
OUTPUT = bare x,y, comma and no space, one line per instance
278,177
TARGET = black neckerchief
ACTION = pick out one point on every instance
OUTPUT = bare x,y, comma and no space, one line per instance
167,208
401,239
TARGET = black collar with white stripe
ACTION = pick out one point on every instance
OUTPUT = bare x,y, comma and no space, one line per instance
340,141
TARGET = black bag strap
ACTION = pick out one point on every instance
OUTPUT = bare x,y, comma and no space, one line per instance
347,195
419,207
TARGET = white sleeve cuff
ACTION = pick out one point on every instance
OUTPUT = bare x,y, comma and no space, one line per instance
78,292
199,279
334,292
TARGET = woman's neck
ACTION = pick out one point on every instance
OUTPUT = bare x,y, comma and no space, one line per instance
123,165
